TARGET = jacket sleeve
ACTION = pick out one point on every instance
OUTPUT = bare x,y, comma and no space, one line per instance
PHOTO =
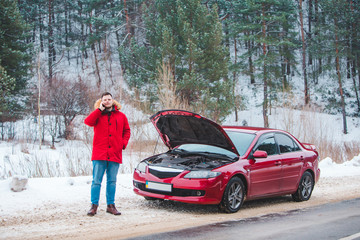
91,120
126,132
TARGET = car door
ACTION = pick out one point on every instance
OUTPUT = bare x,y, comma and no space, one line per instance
292,161
265,173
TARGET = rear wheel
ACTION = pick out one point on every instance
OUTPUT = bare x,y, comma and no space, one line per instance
305,188
234,195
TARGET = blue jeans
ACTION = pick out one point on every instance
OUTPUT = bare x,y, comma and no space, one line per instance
99,168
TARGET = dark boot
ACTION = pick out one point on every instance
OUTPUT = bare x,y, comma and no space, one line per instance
112,209
92,210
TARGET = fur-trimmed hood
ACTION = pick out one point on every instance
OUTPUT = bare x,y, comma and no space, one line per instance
115,103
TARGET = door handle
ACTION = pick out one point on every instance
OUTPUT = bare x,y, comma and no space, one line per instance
301,158
277,163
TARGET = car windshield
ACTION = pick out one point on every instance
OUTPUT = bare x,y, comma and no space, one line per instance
205,149
241,140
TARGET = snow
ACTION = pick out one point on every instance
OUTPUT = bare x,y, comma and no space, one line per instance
346,169
60,191
56,186
66,190
47,198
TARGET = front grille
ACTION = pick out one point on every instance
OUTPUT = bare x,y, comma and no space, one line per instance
180,192
161,174
164,172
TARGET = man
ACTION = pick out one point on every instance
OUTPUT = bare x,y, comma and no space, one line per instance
111,136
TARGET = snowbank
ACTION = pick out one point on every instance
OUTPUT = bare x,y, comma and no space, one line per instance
331,169
66,190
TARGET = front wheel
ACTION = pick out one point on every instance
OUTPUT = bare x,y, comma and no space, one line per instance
305,188
233,197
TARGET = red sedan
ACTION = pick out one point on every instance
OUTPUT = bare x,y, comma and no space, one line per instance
210,164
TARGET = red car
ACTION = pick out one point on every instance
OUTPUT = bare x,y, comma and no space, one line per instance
210,164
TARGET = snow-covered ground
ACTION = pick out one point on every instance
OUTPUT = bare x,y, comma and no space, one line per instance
55,208
66,190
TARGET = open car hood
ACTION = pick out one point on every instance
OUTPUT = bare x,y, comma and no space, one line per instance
177,127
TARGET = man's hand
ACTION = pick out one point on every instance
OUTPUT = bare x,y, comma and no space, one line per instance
102,107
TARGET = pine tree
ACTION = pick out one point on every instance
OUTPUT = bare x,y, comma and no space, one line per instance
7,85
15,53
353,22
332,37
188,36
267,30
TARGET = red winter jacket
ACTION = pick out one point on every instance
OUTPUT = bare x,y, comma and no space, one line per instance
111,133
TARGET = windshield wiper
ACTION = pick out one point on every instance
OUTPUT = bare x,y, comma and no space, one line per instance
178,151
217,155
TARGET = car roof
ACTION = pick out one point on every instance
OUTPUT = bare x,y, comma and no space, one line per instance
249,129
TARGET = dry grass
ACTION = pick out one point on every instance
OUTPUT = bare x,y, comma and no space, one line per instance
351,149
167,89
308,127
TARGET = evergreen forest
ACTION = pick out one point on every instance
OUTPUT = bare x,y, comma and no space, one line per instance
57,56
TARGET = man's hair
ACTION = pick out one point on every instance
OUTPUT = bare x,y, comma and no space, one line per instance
105,94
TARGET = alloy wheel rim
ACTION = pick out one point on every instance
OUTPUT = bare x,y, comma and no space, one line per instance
306,187
235,195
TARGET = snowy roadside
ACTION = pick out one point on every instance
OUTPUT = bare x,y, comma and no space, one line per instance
56,207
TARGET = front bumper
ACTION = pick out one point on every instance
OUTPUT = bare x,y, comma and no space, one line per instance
198,191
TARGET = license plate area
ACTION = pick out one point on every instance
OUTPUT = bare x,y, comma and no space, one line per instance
164,187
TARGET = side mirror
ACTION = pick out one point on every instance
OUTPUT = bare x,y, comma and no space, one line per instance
260,154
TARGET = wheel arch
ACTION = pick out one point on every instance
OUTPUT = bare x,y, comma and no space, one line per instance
307,170
243,178
311,172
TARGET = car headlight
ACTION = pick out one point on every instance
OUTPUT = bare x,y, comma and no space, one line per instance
141,167
202,174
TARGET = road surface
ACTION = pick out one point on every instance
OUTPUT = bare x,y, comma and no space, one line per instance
339,220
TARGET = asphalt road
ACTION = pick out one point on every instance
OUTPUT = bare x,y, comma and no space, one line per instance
330,221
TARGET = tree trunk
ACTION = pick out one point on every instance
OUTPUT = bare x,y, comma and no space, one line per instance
339,77
234,81
51,44
83,37
66,12
53,24
354,46
283,70
316,34
265,103
251,66
116,34
97,68
41,32
249,44
127,21
306,88
309,27
353,71
39,88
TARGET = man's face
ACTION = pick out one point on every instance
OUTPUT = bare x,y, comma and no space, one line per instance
107,101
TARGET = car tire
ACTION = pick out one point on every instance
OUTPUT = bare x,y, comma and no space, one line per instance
234,196
305,188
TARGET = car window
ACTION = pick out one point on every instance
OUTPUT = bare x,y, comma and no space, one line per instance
268,145
286,144
241,140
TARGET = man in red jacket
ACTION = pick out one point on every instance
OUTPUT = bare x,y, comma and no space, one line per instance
111,136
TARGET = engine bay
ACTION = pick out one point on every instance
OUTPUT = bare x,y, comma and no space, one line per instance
188,162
